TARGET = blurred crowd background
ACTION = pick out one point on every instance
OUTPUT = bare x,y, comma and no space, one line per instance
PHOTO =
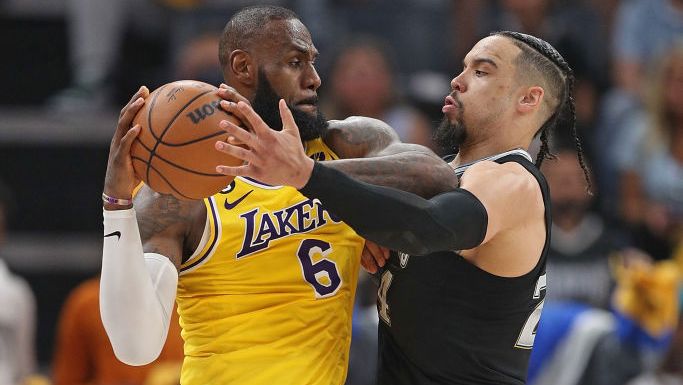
612,311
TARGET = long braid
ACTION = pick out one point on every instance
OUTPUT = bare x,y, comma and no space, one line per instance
544,151
565,113
575,135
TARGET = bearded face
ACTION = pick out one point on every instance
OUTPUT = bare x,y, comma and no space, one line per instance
451,132
266,105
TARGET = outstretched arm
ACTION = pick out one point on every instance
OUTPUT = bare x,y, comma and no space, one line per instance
455,220
390,217
371,151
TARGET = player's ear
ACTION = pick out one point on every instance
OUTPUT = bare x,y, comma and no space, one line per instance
242,67
531,99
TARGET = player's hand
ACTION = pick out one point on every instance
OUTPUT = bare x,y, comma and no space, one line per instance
230,98
120,179
229,94
273,157
373,257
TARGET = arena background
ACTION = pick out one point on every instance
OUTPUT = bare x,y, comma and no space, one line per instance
56,119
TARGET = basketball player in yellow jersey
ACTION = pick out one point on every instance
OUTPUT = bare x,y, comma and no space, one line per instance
286,272
264,277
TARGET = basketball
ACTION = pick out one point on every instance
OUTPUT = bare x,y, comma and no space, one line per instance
174,152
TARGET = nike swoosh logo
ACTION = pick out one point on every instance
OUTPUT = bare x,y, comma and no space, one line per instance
231,205
117,233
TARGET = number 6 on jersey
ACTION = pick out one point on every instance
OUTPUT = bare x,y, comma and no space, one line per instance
317,273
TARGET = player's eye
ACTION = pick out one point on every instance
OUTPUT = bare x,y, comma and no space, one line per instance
295,63
479,74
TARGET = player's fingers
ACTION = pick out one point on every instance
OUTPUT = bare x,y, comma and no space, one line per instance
238,152
231,108
243,170
380,251
230,94
128,139
258,126
376,253
288,123
232,140
238,133
141,92
365,266
367,261
127,118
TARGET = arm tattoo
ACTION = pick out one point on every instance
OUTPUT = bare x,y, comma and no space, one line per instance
158,214
365,141
385,160
360,137
414,171
165,223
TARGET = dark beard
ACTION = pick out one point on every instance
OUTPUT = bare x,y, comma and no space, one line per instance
450,136
266,105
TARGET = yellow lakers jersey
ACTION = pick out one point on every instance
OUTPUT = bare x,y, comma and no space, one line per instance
268,297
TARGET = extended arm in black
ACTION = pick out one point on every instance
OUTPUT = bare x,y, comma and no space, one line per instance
454,220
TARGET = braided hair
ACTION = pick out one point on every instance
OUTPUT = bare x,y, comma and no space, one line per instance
539,55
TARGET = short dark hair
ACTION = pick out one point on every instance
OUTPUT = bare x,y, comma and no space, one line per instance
540,57
246,25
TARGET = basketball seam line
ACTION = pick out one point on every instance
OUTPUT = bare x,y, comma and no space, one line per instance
167,181
161,137
149,124
179,167
213,135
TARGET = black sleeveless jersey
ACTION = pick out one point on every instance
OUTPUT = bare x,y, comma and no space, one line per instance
445,321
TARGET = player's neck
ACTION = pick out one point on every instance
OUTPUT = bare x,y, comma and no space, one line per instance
473,152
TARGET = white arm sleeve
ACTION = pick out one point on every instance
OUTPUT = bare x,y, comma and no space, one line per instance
137,291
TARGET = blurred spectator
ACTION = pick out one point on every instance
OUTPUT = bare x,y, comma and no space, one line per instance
651,161
670,372
581,345
417,31
644,30
17,315
197,60
97,29
582,242
362,83
84,355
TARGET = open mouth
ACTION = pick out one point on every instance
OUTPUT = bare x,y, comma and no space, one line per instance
450,104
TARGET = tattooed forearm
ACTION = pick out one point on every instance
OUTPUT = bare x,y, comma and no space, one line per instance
414,171
373,153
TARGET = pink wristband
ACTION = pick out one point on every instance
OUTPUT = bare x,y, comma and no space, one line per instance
116,201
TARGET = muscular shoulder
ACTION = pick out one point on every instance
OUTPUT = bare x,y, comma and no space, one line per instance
508,191
359,136
511,177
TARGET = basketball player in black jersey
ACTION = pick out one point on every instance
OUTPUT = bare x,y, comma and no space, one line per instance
460,300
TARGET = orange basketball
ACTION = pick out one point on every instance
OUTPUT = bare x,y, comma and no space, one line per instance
174,152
